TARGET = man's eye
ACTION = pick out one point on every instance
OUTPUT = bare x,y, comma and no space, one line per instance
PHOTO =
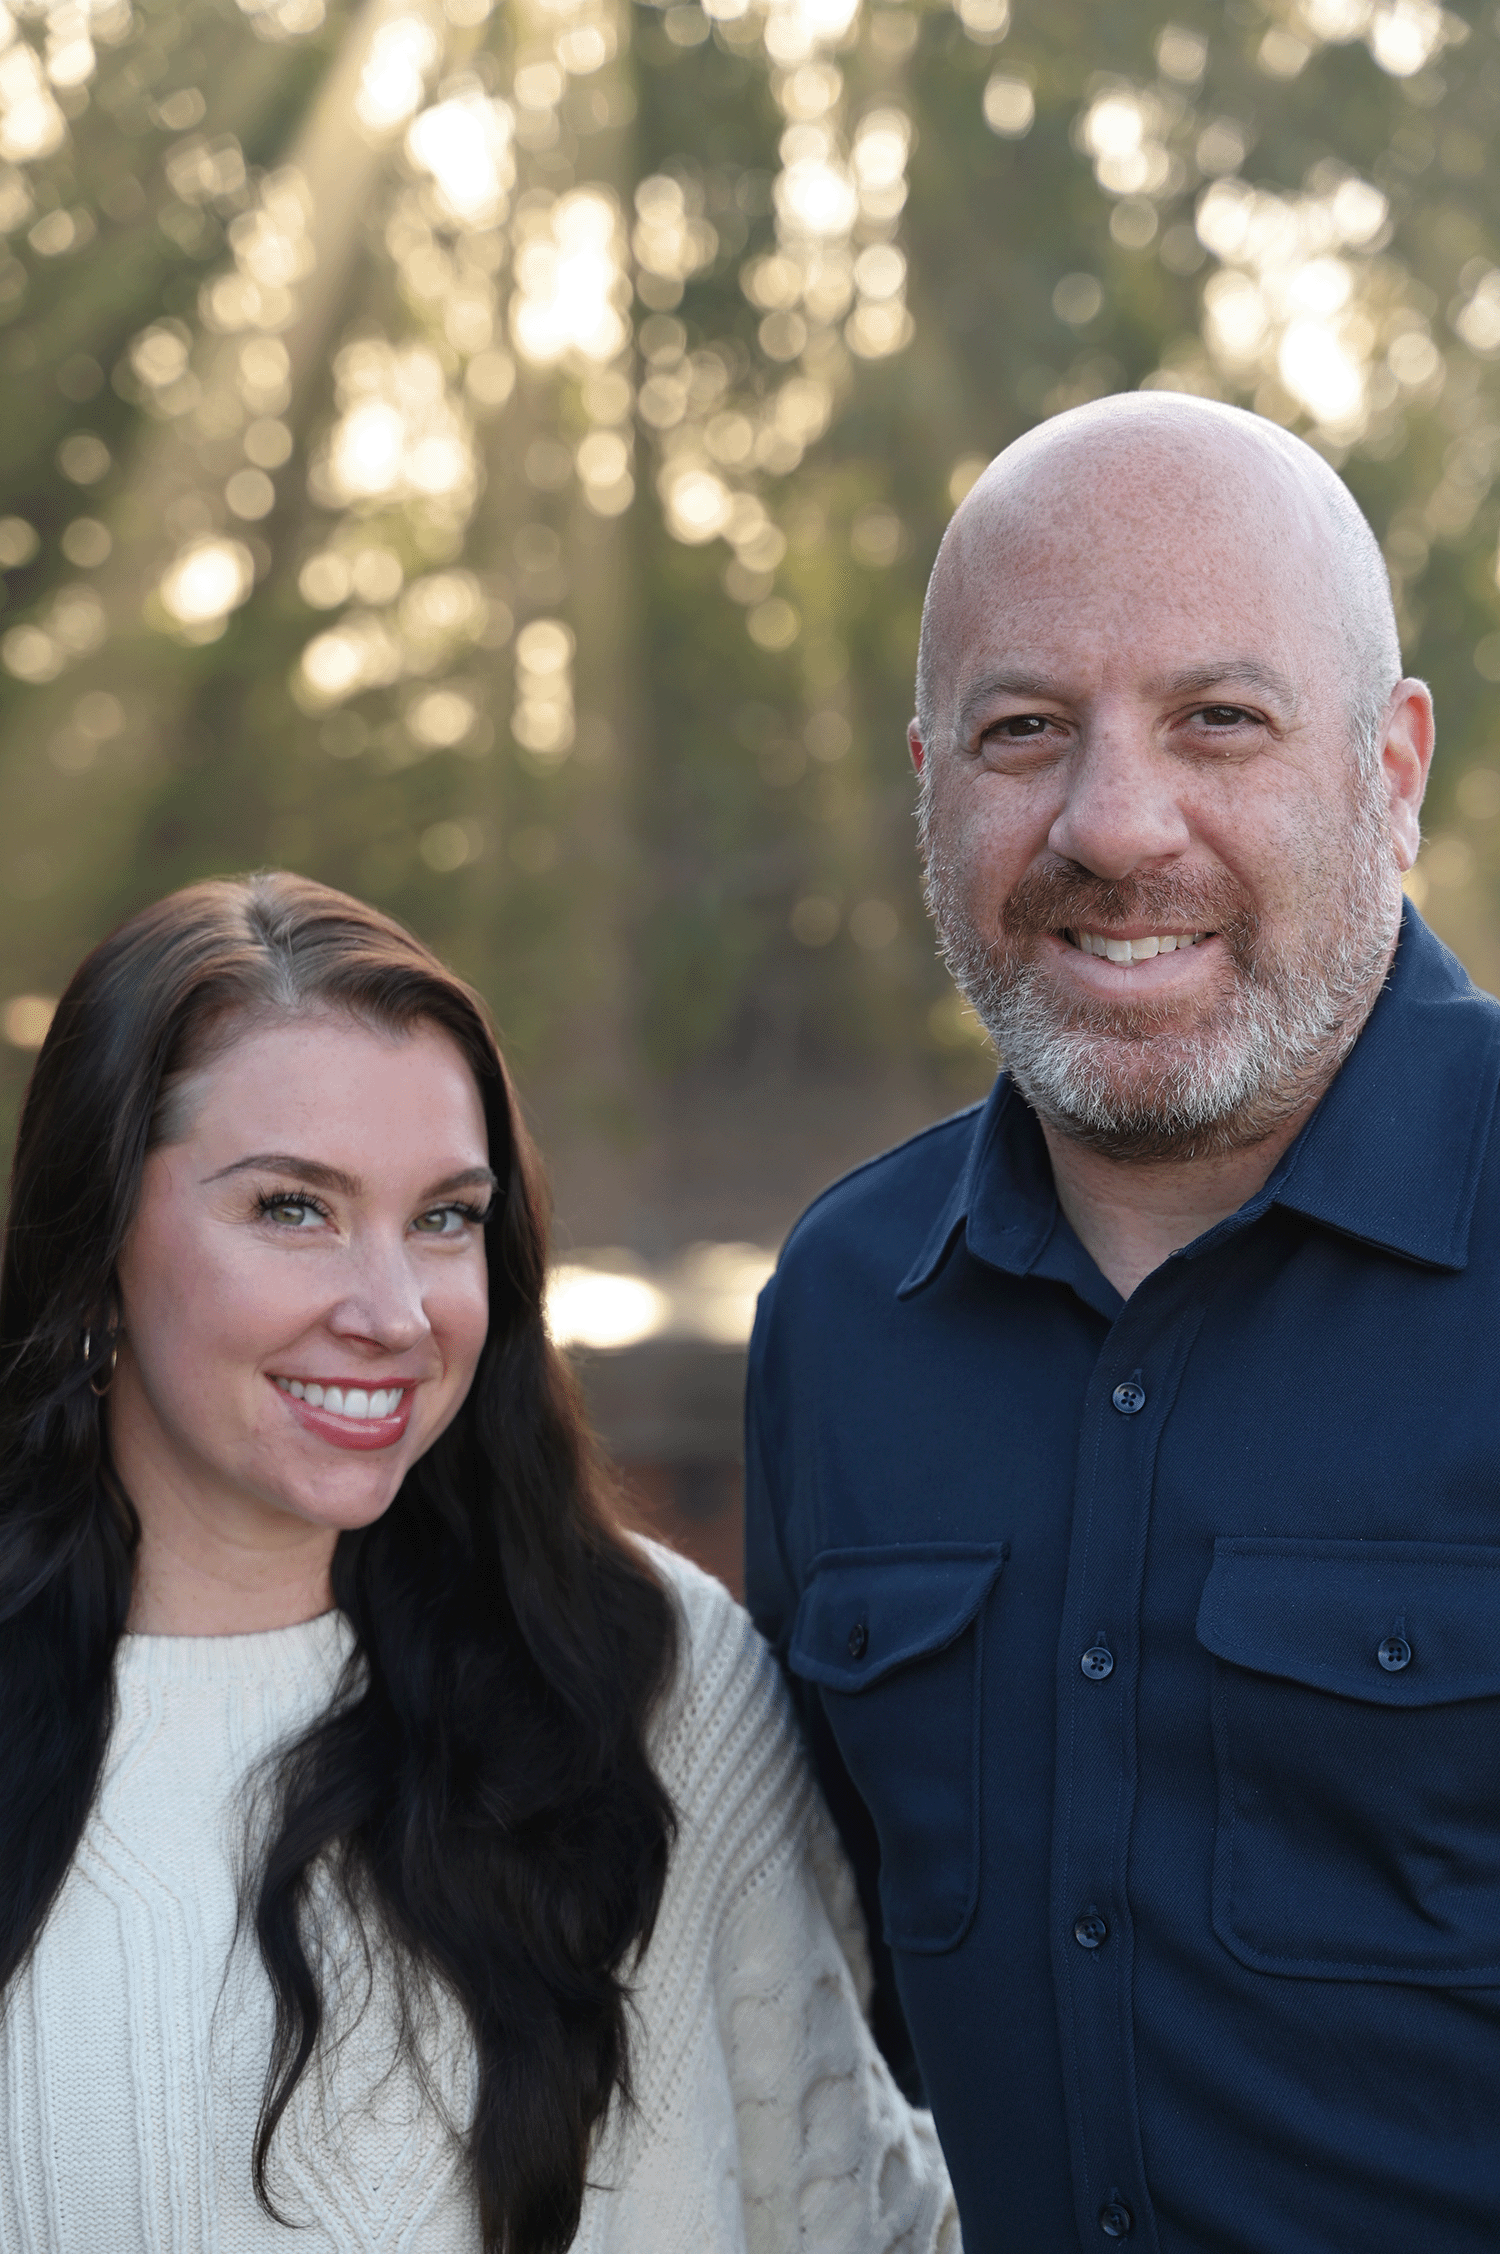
1019,726
1224,715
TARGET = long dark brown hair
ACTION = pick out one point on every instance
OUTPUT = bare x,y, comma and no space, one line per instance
484,1789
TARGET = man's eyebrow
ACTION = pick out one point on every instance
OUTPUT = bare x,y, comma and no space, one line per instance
1197,680
1003,684
321,1177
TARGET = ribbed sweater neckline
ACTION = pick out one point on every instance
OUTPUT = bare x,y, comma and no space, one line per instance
269,1656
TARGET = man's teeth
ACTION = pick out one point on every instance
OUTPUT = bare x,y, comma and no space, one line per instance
356,1402
1135,950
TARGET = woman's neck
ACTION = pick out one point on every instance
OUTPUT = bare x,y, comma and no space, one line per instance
184,1596
199,1574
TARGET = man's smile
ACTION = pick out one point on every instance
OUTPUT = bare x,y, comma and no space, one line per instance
1117,948
1134,961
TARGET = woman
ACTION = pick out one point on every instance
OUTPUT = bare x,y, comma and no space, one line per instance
388,1846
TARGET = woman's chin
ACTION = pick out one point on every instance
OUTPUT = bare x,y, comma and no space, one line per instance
340,1504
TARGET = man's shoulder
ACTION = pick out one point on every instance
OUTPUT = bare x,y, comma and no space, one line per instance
915,1176
881,1212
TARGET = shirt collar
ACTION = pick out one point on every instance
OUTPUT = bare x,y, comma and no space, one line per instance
1392,1155
1003,1203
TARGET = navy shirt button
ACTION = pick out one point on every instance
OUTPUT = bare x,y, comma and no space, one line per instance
1097,1663
1089,1930
859,1637
1115,2219
1394,1654
1128,1398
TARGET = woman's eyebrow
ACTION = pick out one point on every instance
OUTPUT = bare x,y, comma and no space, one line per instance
321,1177
472,1178
286,1162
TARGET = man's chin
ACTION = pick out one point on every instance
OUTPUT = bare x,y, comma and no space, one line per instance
1131,1096
1184,1022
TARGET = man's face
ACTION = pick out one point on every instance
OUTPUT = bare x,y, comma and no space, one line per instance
1157,864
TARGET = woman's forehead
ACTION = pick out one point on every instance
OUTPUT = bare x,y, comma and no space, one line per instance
332,1073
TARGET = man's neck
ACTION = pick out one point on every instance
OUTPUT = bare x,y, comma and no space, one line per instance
1131,1214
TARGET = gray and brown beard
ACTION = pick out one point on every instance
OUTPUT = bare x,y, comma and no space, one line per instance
1134,1080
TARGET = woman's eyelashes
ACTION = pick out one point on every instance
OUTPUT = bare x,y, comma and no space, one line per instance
452,1220
301,1213
293,1210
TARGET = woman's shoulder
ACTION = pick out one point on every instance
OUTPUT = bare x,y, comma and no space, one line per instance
712,1618
725,1743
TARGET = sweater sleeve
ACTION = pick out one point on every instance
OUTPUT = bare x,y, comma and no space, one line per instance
830,2157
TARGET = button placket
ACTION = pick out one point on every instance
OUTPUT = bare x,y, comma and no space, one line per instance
1092,1951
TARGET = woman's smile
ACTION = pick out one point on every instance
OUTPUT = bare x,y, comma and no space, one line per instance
349,1414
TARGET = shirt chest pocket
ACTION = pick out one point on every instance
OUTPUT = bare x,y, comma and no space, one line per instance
1357,1739
894,1640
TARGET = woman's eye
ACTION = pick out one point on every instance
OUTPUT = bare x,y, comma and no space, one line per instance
448,1220
291,1212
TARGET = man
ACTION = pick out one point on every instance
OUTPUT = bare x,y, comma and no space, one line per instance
1124,1453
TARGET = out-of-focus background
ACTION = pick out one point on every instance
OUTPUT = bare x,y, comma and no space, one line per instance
489,457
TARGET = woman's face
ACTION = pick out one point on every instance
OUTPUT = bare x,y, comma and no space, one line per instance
303,1289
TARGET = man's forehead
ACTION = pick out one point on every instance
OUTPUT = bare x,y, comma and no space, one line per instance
1172,569
1085,620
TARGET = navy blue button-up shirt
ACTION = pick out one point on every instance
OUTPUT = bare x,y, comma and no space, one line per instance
1150,1654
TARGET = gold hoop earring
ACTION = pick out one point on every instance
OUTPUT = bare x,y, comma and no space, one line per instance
95,1387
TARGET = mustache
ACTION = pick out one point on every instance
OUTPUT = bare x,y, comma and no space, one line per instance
1062,896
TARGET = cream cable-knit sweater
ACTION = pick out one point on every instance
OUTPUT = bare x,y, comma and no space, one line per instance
133,2047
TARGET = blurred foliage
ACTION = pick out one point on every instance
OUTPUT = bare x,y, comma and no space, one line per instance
491,460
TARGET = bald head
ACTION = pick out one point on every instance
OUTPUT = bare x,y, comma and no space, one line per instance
1163,486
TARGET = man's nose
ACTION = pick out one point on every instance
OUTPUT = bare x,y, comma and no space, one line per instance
1122,809
382,1300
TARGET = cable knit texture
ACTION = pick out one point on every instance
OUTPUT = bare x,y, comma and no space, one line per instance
134,2045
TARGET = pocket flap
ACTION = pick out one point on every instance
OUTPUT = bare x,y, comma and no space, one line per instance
866,1612
1322,1613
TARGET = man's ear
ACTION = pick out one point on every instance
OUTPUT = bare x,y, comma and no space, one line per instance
1405,758
914,746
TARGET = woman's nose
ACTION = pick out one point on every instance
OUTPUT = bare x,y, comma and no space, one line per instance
382,1300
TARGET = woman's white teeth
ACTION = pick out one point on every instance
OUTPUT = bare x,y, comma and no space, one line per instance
356,1402
1136,950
